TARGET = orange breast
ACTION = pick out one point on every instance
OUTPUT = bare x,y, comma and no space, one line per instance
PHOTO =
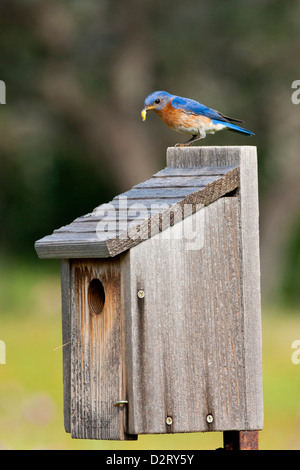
179,120
171,116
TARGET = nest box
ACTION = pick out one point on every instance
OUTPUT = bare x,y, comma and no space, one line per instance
161,302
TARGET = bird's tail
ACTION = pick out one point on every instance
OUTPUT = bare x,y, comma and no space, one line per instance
233,127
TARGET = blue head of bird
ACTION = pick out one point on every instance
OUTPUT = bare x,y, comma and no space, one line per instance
156,101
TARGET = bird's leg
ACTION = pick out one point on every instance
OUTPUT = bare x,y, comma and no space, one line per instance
194,138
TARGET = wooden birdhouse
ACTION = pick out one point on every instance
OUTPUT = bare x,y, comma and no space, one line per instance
161,302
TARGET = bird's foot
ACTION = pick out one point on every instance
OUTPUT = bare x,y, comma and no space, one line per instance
181,145
194,138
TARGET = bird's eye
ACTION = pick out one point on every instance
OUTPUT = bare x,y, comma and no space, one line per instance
157,101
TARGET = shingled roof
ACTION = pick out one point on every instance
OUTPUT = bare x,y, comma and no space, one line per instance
137,214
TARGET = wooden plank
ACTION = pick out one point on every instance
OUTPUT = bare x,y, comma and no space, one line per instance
66,339
98,357
130,214
148,203
157,193
205,196
64,249
193,171
246,158
121,204
72,237
112,225
178,182
187,335
250,260
184,157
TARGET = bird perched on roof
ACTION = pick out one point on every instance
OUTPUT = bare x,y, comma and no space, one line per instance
189,116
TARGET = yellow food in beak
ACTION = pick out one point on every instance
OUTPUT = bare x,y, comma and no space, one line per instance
143,114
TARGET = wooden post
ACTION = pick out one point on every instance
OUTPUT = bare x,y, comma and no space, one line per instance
240,440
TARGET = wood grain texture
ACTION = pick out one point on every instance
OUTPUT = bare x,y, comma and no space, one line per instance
66,339
250,262
97,380
177,182
187,344
246,158
194,340
223,156
187,336
192,170
196,198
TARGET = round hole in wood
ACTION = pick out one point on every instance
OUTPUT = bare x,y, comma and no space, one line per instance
96,296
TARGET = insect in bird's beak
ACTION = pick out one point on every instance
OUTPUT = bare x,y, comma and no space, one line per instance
144,111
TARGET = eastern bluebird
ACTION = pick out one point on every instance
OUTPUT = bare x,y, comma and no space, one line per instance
189,116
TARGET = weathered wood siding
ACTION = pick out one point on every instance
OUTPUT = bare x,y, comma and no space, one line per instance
194,339
97,357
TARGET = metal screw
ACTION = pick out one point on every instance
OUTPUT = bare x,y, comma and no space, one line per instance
169,420
121,402
141,294
209,419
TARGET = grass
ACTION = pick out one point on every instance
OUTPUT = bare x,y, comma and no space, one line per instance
31,408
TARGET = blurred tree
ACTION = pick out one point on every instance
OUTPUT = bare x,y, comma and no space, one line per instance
77,74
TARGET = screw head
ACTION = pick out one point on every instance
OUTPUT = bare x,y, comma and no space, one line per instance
209,418
169,420
141,294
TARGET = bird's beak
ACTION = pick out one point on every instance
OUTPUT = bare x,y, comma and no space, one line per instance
144,111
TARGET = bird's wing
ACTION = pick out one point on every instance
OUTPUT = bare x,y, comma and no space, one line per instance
193,107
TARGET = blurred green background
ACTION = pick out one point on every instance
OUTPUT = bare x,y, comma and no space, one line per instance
71,138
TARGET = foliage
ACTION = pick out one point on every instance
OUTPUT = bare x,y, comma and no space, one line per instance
77,74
